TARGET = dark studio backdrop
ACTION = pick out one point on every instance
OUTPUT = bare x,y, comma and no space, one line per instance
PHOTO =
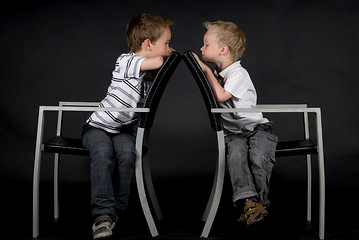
297,52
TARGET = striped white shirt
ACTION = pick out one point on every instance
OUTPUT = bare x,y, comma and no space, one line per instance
128,89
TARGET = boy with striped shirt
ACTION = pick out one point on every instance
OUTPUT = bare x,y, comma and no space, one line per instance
110,136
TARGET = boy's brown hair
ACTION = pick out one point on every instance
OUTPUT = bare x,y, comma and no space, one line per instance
145,26
228,33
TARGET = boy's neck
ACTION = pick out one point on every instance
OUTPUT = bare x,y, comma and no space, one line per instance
221,65
141,54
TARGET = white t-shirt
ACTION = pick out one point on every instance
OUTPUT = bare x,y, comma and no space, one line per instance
236,80
127,89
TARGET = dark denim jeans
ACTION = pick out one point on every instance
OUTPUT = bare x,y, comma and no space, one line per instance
250,159
112,167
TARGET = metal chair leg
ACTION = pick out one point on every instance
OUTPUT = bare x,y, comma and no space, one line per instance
213,203
321,175
56,187
36,175
140,184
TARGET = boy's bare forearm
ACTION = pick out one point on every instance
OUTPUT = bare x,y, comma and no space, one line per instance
152,63
220,93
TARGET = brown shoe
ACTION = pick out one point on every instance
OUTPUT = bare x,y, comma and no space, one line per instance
253,212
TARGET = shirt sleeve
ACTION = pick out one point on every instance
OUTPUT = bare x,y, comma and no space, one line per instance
128,67
236,83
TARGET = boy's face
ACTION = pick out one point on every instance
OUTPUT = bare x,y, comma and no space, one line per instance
210,49
162,45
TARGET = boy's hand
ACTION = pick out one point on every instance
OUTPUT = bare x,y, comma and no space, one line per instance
203,66
220,93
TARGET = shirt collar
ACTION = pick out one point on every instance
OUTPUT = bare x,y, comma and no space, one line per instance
225,72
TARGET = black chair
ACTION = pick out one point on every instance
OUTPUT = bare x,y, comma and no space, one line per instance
298,147
62,145
145,124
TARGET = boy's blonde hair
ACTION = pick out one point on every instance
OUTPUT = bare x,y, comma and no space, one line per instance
145,26
228,33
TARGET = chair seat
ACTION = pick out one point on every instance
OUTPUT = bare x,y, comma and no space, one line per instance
60,144
72,146
298,147
66,145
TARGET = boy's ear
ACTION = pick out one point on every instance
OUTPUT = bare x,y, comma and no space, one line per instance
146,44
224,49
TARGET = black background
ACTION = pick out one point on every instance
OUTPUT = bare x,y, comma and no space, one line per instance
297,52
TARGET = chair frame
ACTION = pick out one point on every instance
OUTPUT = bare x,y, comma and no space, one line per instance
86,107
278,108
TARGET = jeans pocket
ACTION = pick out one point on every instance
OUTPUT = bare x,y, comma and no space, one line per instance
264,144
270,151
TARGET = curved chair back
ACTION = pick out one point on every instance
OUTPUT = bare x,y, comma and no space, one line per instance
158,86
206,90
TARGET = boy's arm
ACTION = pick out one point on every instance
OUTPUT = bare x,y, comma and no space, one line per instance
220,93
152,63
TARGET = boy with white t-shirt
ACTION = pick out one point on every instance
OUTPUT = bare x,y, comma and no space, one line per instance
110,136
250,142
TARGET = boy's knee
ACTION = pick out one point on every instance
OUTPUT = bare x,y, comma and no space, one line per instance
237,147
127,156
261,161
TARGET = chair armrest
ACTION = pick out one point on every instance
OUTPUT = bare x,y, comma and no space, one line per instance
274,108
88,104
91,109
281,106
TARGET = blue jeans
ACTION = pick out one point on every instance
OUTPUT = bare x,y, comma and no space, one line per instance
250,159
112,167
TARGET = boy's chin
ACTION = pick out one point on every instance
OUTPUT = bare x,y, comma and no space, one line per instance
206,59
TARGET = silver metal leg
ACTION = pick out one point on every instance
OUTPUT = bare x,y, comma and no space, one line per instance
213,203
56,164
56,186
321,175
309,170
309,188
36,176
140,183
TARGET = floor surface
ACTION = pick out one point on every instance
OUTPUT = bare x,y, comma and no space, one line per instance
182,203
